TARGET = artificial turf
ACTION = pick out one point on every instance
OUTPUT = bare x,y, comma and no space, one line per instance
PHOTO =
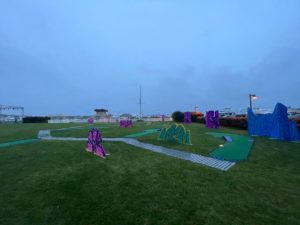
237,149
145,132
58,182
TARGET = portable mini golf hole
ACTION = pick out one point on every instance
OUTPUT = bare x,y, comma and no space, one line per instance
236,148
13,143
145,132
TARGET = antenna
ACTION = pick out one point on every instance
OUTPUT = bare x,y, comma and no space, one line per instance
140,103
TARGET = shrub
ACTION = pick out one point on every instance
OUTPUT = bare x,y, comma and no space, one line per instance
36,119
195,115
238,122
178,116
297,121
200,119
194,118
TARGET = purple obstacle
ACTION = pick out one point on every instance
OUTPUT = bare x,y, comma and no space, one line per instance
187,117
212,119
94,138
126,123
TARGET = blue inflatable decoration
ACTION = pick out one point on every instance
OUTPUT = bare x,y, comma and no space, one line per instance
274,125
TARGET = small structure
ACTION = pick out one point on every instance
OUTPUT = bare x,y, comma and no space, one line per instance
11,116
102,114
226,112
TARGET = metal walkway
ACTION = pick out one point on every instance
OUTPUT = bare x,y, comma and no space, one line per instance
208,161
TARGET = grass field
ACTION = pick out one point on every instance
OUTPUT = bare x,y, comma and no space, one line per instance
58,182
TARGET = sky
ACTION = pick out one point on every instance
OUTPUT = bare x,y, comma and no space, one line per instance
71,57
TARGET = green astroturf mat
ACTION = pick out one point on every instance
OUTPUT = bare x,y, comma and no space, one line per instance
80,128
145,132
8,144
236,150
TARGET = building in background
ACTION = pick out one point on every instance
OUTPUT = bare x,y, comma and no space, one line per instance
293,112
226,112
102,114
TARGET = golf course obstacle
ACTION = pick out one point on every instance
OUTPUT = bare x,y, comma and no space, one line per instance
126,123
145,132
187,117
129,123
274,125
235,149
123,123
176,133
212,119
93,145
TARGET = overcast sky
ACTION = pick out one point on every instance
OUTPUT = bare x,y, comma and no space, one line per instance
71,57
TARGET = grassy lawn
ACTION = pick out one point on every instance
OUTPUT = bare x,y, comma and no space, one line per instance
201,143
57,182
113,130
15,132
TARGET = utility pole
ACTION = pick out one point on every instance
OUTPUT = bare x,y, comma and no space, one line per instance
140,103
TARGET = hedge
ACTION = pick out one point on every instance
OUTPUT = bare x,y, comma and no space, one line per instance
297,120
239,122
36,119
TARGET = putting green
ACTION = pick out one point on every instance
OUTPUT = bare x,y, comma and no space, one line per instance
145,132
80,128
236,150
8,144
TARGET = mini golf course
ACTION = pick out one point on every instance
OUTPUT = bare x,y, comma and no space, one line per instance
195,158
58,182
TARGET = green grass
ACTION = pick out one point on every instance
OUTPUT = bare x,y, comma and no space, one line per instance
58,182
16,132
113,131
201,143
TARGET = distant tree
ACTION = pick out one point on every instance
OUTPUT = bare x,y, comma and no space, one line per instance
36,119
178,116
196,115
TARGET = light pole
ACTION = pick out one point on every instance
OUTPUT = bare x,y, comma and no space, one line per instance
252,96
